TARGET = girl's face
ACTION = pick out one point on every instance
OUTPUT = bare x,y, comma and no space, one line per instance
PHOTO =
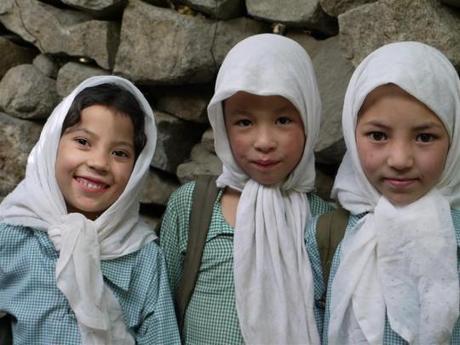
266,135
402,145
95,159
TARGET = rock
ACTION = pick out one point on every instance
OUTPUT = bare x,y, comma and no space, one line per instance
333,72
96,6
59,31
187,102
220,9
311,45
13,55
160,46
27,93
202,163
158,188
230,32
336,7
72,74
207,140
46,65
175,140
17,137
299,13
368,27
455,3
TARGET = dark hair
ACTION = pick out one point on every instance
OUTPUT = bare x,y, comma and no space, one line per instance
112,96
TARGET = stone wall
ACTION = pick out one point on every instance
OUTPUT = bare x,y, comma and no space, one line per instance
172,50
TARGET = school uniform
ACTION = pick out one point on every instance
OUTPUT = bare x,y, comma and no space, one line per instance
211,316
42,313
395,277
67,279
273,300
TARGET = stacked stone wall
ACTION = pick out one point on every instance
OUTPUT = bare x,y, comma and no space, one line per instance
172,50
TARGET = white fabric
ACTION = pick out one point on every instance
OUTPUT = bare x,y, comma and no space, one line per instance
273,278
402,260
37,202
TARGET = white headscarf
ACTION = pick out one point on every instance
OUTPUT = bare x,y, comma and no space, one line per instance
38,202
401,261
273,278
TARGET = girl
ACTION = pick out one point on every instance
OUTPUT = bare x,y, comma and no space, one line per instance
395,278
255,284
76,263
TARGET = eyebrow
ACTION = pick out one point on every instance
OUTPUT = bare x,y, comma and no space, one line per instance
421,127
82,129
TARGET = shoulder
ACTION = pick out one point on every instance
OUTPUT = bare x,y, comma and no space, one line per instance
318,205
14,233
182,196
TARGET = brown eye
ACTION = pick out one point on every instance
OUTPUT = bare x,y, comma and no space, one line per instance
377,136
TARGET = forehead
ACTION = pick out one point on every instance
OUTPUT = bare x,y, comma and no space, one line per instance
393,98
247,101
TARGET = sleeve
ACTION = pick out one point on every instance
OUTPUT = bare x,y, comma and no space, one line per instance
315,261
174,232
159,325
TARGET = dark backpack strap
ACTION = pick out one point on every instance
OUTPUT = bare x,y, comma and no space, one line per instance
329,232
6,337
204,196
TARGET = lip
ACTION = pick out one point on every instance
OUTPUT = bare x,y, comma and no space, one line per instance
91,185
265,163
400,183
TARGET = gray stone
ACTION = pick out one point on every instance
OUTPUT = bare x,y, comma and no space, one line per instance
336,7
300,13
17,137
202,163
230,32
13,55
455,3
160,46
158,188
333,72
175,140
207,139
368,27
53,30
27,93
95,5
220,9
311,45
46,65
72,74
187,102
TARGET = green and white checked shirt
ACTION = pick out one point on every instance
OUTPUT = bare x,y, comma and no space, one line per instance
28,291
390,337
211,316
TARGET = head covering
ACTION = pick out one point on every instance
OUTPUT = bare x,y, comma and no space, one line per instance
401,261
37,202
273,279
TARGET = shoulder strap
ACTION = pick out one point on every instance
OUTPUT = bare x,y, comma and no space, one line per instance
5,331
329,232
204,196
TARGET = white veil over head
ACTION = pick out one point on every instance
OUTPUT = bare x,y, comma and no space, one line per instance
37,202
399,261
273,279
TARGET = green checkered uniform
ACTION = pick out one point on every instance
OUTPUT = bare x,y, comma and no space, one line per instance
211,316
390,337
28,291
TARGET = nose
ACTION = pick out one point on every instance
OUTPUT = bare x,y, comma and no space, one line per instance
401,156
265,139
98,160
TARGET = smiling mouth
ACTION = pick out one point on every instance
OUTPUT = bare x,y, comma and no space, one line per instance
90,185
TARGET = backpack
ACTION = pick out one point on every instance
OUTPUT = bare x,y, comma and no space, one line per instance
330,230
